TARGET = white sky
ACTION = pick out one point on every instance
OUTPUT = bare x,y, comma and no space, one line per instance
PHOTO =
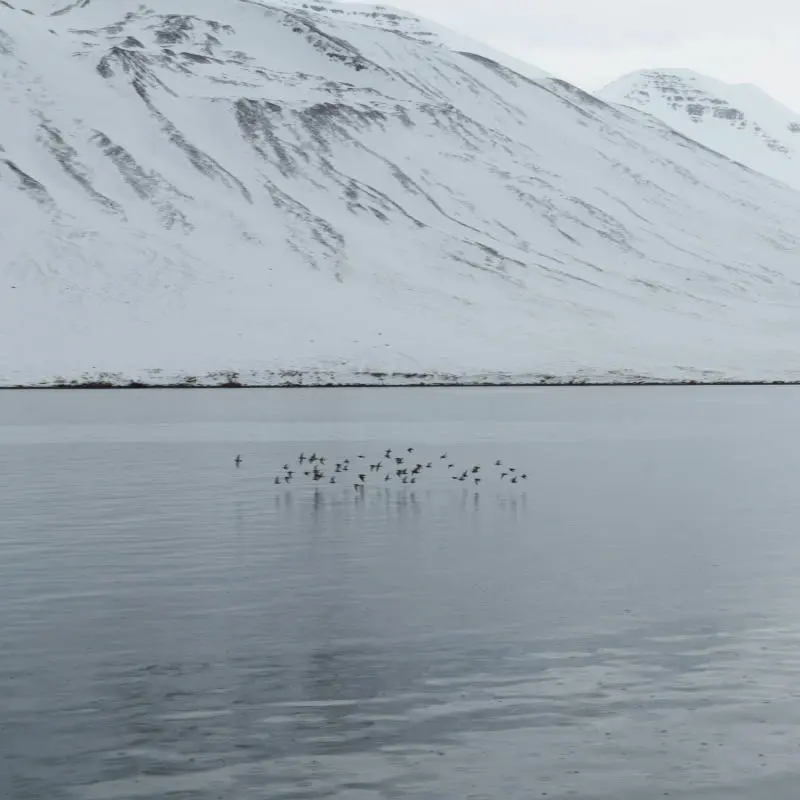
592,42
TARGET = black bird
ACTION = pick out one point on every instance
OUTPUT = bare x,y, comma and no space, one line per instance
356,486
360,456
450,466
512,469
387,477
410,450
498,462
302,458
346,461
477,481
429,465
286,480
524,476
443,456
237,460
362,477
286,466
290,473
514,479
277,481
322,460
338,468
503,474
312,458
378,466
333,479
398,461
413,480
387,454
475,470
306,473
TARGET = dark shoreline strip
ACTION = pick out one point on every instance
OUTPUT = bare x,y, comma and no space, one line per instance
100,385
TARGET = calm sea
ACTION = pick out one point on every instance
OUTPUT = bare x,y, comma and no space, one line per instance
623,623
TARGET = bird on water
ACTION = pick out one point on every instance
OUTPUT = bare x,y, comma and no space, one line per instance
405,472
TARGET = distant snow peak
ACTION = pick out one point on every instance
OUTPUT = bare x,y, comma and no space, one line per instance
738,120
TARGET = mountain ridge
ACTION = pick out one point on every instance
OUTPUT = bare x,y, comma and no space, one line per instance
273,189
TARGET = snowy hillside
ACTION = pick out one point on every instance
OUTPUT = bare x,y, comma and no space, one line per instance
284,189
740,121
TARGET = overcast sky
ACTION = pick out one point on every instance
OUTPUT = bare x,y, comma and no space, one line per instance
592,42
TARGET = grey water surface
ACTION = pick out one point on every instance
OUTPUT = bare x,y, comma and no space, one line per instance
623,625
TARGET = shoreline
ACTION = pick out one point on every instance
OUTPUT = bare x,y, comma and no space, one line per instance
400,383
340,376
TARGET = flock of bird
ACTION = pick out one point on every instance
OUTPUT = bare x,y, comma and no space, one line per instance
403,468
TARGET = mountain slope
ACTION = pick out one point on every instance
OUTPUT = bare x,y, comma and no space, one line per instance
739,121
273,187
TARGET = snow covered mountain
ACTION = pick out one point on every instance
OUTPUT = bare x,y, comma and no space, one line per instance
315,191
738,120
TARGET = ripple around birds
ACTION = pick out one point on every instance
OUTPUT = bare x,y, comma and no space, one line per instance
624,627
